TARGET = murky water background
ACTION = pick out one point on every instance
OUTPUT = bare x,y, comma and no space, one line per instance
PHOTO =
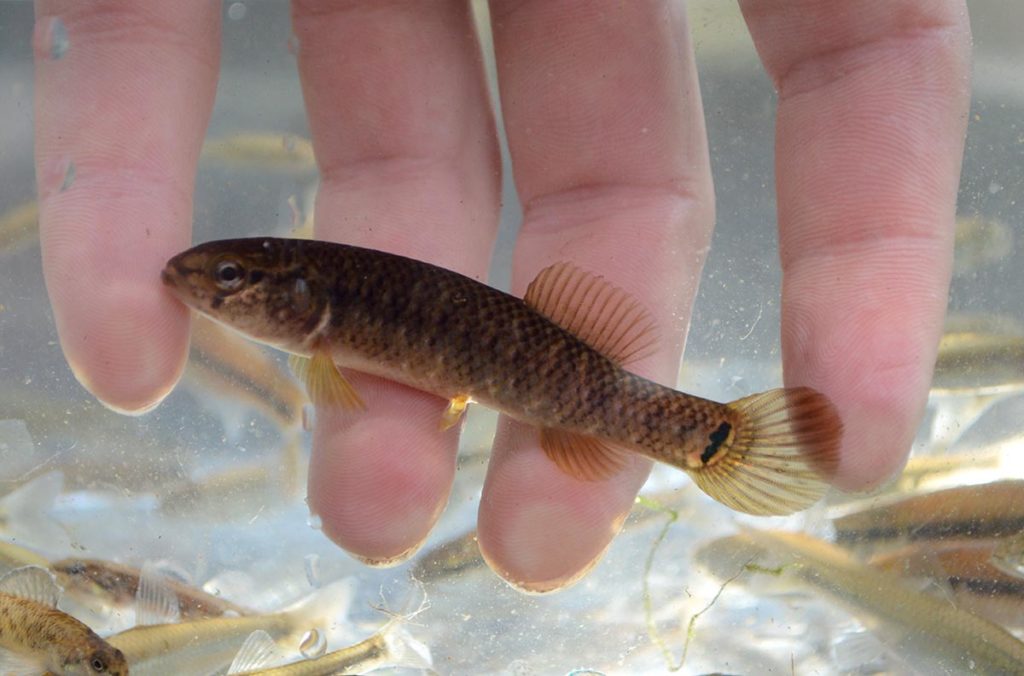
249,540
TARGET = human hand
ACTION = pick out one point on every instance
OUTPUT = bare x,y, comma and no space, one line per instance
604,123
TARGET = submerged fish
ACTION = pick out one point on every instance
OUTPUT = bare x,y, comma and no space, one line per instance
967,572
283,152
977,511
392,646
209,644
927,631
35,637
553,359
117,585
19,227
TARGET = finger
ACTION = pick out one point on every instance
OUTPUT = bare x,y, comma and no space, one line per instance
873,101
605,128
405,142
123,94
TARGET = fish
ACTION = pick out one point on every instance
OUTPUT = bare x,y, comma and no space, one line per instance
280,152
454,556
117,585
967,573
391,646
554,359
223,363
980,242
973,360
936,636
35,637
209,644
994,509
19,227
15,556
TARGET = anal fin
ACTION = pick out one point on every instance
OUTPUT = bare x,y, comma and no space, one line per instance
456,407
581,456
324,383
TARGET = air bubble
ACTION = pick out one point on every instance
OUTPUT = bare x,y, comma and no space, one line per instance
313,644
236,11
315,522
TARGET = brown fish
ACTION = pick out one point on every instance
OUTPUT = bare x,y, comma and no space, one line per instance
553,359
35,635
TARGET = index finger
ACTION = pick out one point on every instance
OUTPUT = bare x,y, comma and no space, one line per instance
873,101
123,93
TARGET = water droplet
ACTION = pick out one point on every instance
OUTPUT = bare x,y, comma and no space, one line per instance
58,39
293,44
313,644
236,11
312,565
314,521
69,177
994,187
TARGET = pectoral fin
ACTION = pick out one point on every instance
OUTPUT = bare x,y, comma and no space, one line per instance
456,407
33,583
581,456
324,383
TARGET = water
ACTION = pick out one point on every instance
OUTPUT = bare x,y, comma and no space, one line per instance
255,543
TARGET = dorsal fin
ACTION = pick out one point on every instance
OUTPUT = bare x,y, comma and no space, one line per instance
602,315
33,583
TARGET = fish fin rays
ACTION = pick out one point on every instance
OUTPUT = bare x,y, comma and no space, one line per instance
16,664
257,652
581,456
453,414
600,314
780,457
33,583
155,601
324,382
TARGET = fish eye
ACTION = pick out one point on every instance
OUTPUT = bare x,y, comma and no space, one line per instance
97,664
229,275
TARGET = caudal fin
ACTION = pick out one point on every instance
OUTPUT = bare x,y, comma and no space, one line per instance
782,455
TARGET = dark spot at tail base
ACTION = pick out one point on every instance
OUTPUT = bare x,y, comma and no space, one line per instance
717,438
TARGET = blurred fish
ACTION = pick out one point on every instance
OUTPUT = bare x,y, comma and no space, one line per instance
978,511
19,227
966,575
553,359
980,242
207,645
451,557
13,556
921,468
392,646
1008,555
230,493
262,150
35,637
25,513
223,363
925,631
115,584
979,361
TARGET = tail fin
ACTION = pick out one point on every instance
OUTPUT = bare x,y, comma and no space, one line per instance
782,455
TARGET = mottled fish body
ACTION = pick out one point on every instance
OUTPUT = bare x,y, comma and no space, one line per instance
35,635
553,359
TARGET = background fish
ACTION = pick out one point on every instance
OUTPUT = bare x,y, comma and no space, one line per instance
553,359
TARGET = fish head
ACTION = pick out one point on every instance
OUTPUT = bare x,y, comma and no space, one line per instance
99,658
263,287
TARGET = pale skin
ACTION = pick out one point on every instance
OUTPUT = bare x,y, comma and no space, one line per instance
873,99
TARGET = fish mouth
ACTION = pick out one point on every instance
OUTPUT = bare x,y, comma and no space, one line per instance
168,279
